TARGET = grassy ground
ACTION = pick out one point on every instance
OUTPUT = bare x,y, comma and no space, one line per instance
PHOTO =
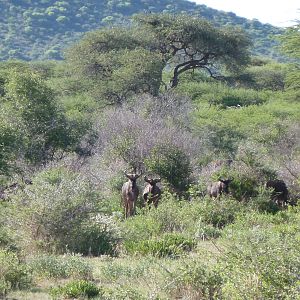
131,277
255,256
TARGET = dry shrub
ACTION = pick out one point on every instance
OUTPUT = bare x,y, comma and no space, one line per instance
128,134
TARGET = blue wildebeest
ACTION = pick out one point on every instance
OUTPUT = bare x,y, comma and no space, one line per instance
279,191
151,192
130,193
216,189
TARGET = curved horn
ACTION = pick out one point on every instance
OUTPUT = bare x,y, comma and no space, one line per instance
126,174
140,173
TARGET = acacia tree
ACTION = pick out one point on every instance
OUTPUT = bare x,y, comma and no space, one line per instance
116,62
290,45
188,43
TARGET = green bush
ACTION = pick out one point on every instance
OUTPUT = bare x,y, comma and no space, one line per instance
171,163
206,231
271,76
263,202
197,281
261,260
199,218
171,244
261,124
98,235
76,289
61,214
50,266
124,292
171,215
13,273
220,212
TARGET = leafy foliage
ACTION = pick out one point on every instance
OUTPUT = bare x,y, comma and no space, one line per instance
67,266
266,272
115,64
291,41
200,279
164,160
34,128
71,222
119,61
169,245
290,46
75,289
13,273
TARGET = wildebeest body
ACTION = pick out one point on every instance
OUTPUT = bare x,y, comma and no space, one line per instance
151,192
130,193
279,193
217,188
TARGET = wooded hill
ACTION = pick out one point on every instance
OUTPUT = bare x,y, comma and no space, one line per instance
41,29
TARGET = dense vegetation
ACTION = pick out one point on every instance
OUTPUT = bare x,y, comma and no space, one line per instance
70,128
40,29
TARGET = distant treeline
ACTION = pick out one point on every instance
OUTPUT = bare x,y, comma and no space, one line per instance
41,29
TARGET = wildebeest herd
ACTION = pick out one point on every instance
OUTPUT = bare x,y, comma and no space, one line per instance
152,193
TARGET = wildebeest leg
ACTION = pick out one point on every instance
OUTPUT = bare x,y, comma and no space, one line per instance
131,208
145,202
155,201
126,209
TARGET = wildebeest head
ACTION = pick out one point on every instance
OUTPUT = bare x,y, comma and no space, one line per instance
132,176
152,181
225,184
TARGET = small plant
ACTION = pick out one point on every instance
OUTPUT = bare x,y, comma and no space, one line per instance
76,289
51,266
207,231
196,280
124,292
171,244
13,273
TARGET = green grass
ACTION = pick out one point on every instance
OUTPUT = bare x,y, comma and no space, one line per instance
254,255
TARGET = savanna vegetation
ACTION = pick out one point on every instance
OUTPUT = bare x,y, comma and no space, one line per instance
177,98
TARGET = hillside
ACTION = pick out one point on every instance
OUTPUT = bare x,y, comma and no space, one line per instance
40,29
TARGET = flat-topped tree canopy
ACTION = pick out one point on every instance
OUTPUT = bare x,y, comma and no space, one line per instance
123,61
189,43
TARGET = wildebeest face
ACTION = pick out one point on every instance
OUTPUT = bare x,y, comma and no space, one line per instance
152,181
132,177
225,186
